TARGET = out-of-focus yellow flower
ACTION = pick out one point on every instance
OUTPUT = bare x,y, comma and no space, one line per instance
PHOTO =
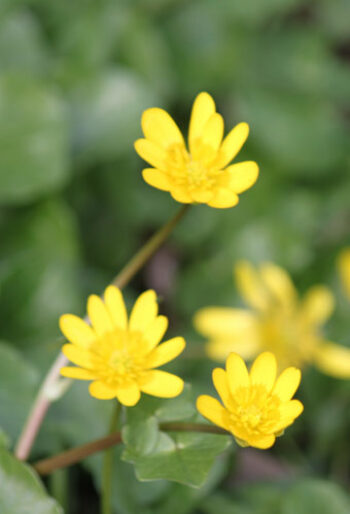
278,321
199,174
344,270
118,354
257,407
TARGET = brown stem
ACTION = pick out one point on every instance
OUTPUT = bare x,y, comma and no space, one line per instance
43,400
62,460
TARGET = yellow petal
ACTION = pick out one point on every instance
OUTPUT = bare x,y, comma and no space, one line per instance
221,385
180,194
287,383
212,410
156,178
263,442
317,305
232,144
344,270
241,442
250,286
76,330
333,359
202,110
202,195
98,315
242,176
162,384
213,131
79,373
220,349
151,153
279,284
155,331
160,128
223,199
129,395
116,307
77,355
144,311
263,370
288,412
102,391
237,373
166,352
231,330
224,321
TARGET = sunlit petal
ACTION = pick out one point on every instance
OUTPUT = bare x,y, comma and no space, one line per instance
242,176
221,385
237,373
162,384
166,352
287,383
116,307
160,128
212,410
223,199
203,108
76,330
157,178
144,311
333,359
263,371
99,316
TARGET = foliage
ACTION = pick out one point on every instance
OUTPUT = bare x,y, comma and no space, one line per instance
74,79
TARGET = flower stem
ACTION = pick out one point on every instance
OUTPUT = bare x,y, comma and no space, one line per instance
74,455
44,397
152,245
107,470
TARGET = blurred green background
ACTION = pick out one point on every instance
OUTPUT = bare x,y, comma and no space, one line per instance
75,77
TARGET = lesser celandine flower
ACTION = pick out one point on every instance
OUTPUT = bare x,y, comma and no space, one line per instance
344,270
201,172
278,321
257,407
118,354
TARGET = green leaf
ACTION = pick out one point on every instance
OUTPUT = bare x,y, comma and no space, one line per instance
20,490
19,383
22,46
219,503
37,275
4,439
193,496
315,496
78,418
33,139
106,114
183,457
308,139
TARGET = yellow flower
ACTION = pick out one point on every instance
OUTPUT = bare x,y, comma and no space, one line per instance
257,407
344,270
201,173
118,354
279,321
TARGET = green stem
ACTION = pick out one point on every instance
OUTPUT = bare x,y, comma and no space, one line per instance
143,255
107,470
74,455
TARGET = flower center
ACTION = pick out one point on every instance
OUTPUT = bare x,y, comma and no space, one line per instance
253,411
192,173
119,357
288,337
